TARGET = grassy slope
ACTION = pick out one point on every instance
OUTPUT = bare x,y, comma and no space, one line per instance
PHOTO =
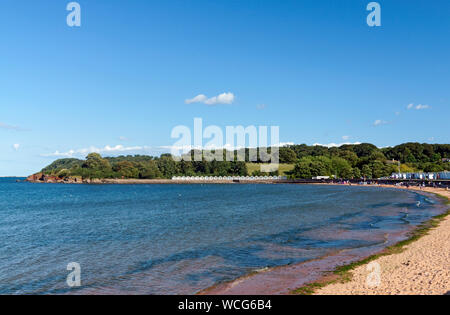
252,167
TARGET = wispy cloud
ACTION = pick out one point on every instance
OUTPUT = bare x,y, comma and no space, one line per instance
16,146
198,99
420,106
261,106
10,127
112,150
417,107
380,122
283,144
228,147
224,98
335,145
345,137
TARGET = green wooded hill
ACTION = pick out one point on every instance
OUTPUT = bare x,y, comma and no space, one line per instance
347,161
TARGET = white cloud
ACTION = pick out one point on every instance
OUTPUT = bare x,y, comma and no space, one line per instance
229,147
198,99
380,122
16,146
123,138
283,144
335,145
224,98
118,149
345,137
418,107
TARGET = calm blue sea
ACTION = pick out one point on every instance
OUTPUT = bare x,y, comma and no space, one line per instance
172,239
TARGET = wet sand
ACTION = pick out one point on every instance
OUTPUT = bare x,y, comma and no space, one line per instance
424,268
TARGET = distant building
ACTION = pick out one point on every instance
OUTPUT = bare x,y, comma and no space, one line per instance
392,162
419,176
321,177
227,178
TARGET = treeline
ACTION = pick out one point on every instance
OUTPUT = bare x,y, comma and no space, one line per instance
365,160
347,161
139,166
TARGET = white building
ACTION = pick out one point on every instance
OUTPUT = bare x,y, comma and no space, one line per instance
321,177
421,176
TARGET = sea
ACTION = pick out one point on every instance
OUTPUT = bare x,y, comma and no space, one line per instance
181,239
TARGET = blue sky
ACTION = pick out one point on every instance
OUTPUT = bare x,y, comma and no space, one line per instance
314,68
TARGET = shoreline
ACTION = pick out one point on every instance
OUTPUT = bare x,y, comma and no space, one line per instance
314,277
115,181
418,265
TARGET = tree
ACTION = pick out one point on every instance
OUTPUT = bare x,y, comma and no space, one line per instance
346,161
366,171
287,155
167,166
96,167
318,168
410,158
356,173
186,168
377,169
149,170
377,156
436,157
405,168
364,149
349,156
310,166
62,164
302,170
94,161
126,169
220,168
342,168
238,169
431,167
380,169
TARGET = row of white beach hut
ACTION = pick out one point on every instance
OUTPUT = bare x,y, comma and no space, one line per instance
227,178
425,176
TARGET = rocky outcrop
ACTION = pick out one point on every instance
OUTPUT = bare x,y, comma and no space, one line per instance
43,178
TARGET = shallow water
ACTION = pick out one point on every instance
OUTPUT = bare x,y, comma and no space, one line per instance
172,239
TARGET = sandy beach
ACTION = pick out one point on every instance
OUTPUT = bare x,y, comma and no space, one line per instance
423,268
